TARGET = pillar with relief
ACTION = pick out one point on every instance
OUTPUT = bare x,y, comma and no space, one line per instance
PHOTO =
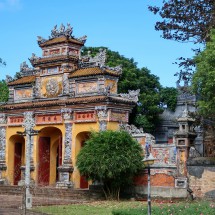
3,166
67,168
102,114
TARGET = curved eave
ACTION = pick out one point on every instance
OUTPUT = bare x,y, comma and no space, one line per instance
60,40
55,59
70,101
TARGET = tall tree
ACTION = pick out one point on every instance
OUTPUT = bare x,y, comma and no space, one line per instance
149,107
168,97
4,92
203,82
110,157
186,21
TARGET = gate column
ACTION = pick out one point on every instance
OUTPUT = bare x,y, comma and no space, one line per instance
3,167
67,168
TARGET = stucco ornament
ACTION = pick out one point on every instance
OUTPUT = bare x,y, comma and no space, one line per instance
62,31
66,112
65,84
131,95
37,88
29,121
2,142
33,58
52,87
99,59
131,129
3,119
68,143
102,112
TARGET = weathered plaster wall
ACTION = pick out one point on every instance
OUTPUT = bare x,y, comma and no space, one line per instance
201,175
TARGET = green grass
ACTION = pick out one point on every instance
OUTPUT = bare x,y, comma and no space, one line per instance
94,208
132,208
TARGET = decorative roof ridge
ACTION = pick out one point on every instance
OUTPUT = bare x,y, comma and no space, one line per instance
62,31
98,60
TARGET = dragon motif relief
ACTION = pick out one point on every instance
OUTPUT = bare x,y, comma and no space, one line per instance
2,142
52,87
102,114
66,113
68,143
29,121
65,84
131,129
37,88
131,95
3,119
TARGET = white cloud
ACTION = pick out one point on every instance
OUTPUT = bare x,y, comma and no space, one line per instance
10,4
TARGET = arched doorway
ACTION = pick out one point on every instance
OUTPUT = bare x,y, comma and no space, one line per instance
49,155
80,142
16,157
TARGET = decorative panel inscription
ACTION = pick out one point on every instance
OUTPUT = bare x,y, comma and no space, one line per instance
87,87
85,116
23,94
119,117
48,119
13,121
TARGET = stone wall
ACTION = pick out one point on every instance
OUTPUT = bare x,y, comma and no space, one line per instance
201,176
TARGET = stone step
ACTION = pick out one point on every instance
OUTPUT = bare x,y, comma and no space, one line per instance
52,192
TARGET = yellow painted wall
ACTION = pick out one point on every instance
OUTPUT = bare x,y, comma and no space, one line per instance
80,132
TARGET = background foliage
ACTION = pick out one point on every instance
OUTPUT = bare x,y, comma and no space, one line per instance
204,79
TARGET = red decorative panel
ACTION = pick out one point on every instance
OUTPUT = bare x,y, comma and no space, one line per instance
17,162
49,119
85,116
15,120
44,161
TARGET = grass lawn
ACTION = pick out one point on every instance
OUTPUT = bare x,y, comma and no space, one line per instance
94,208
132,208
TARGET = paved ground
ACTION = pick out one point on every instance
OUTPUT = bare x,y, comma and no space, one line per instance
12,204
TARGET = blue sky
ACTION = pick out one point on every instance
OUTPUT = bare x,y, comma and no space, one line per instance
125,26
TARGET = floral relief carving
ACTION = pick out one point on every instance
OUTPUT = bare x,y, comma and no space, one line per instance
65,81
2,142
68,143
66,112
3,119
29,121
